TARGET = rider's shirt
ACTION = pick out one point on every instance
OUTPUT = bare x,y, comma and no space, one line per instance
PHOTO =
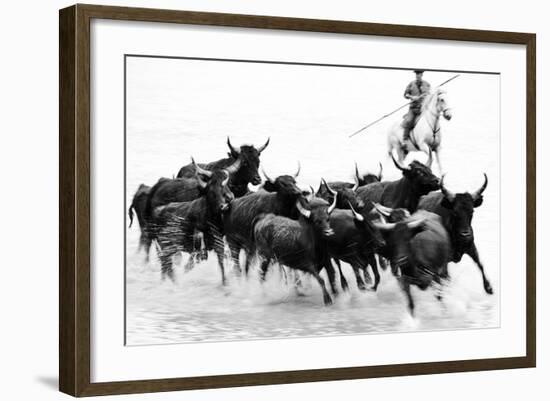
416,88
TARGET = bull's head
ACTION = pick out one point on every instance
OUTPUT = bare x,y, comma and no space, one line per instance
284,185
399,235
367,178
346,196
420,175
462,210
214,186
249,158
372,238
318,213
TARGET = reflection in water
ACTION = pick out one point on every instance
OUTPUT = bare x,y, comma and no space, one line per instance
198,308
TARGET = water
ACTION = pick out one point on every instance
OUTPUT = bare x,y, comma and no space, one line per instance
179,108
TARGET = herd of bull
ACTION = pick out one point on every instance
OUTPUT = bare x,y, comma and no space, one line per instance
415,224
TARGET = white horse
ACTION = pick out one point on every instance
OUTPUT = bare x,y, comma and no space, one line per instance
426,135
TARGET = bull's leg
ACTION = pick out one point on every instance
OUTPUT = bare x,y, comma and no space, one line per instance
405,285
263,268
357,271
372,261
368,278
235,253
382,263
249,257
166,265
220,254
343,281
326,296
472,252
190,264
331,273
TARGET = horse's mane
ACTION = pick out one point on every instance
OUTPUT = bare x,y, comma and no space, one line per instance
428,99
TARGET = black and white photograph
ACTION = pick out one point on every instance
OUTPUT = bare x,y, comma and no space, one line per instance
281,200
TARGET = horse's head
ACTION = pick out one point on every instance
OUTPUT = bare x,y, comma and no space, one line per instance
442,105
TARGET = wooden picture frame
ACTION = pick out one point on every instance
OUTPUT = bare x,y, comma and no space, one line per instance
74,199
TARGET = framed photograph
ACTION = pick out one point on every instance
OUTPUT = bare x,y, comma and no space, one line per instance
250,200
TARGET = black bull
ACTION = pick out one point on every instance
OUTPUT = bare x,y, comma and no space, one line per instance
296,243
168,190
247,158
417,180
456,211
419,247
278,197
175,226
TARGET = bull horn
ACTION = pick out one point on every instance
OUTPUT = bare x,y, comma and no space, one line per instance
356,179
448,194
200,170
298,171
399,165
303,211
267,177
232,149
331,207
226,181
311,194
384,226
380,173
415,223
332,191
262,148
383,210
357,216
430,159
233,168
478,193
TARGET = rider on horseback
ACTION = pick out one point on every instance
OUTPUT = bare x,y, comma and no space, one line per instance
415,92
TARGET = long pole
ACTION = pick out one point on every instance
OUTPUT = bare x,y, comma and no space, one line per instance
396,110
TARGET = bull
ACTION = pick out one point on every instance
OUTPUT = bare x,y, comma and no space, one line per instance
355,242
177,224
278,196
457,210
347,190
417,180
169,190
296,243
247,161
419,247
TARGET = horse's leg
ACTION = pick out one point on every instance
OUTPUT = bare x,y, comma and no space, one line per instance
438,159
